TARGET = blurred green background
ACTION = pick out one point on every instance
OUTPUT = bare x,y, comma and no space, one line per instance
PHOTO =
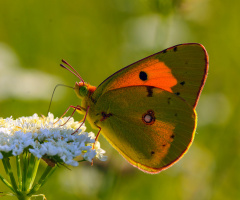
99,38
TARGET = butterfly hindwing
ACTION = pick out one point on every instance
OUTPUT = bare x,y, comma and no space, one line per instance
149,126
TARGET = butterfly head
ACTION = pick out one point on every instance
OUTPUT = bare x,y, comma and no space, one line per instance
83,89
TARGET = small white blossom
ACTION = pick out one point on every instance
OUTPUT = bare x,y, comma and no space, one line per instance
100,152
42,137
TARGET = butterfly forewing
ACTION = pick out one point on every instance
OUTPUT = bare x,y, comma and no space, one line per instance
180,69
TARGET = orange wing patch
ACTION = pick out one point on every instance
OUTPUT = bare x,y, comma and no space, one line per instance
151,72
164,138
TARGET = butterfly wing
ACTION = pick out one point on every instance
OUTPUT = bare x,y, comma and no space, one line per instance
150,127
180,69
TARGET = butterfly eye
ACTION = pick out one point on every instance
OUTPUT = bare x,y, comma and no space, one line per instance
83,91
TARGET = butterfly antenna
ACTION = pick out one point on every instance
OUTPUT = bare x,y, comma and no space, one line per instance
53,94
73,72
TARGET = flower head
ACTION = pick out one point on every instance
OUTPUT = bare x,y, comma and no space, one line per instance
46,139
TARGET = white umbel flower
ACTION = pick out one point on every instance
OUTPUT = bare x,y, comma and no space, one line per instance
41,137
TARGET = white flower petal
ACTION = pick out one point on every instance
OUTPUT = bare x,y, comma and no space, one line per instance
43,137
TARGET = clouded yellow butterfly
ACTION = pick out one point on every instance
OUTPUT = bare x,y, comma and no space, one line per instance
147,109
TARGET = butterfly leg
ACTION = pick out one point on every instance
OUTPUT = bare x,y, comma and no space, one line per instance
84,119
96,139
75,108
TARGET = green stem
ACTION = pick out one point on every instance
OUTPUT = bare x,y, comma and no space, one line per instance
25,170
19,172
32,171
6,183
46,174
5,166
23,196
31,159
10,173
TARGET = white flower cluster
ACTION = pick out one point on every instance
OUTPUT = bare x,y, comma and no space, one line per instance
41,137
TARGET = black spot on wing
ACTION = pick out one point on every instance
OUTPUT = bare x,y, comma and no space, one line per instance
149,91
164,51
182,83
177,93
143,76
169,100
175,49
105,116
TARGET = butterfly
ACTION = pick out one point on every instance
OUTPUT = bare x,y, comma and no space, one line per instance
146,110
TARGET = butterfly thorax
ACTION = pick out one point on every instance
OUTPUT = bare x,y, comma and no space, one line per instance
95,112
